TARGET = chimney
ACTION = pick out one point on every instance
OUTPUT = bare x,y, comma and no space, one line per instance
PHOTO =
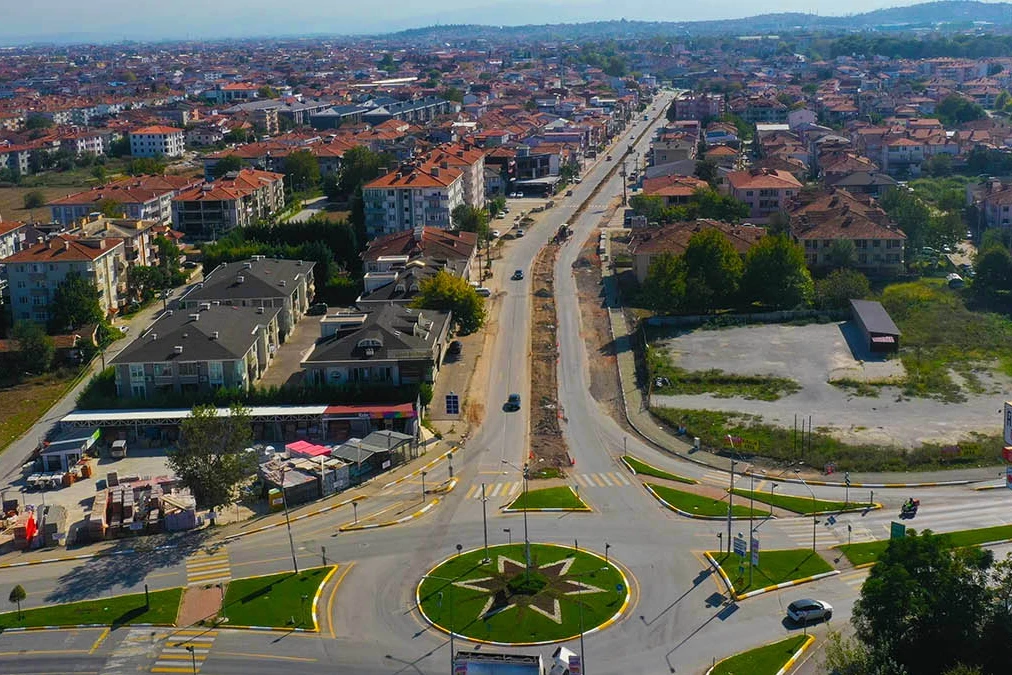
178,349
434,172
214,335
154,336
195,317
240,279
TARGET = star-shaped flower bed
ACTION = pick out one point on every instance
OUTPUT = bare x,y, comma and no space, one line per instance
504,601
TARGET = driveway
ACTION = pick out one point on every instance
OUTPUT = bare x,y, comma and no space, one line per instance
286,368
813,355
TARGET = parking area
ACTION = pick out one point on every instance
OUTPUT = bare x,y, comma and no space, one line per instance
285,368
813,355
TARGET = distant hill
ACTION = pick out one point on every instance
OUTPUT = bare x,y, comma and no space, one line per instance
954,13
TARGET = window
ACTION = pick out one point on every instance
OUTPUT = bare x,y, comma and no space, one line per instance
188,369
163,369
876,243
215,372
136,371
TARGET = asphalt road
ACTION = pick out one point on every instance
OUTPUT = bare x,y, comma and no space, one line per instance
679,620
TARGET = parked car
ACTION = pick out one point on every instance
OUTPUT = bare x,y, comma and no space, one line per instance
501,216
513,402
608,158
808,610
569,193
495,234
483,292
317,309
520,232
124,329
455,348
517,275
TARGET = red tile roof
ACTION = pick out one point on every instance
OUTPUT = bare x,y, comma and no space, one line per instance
65,248
156,129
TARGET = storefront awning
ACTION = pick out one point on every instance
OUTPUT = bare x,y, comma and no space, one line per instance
367,411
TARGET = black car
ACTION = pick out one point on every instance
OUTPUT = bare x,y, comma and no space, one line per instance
317,309
512,403
455,348
518,275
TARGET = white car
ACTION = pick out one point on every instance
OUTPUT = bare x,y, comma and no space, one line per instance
496,234
124,329
807,610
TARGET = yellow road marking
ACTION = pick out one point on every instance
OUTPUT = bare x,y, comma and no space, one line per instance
101,638
247,655
170,669
470,493
333,594
259,562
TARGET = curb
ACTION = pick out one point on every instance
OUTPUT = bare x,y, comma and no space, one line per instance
797,655
303,516
986,544
319,592
420,469
886,486
628,465
989,487
686,480
608,622
445,486
584,509
692,515
767,589
388,523
78,626
84,556
272,629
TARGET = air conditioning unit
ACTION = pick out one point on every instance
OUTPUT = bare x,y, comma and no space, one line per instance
204,306
154,336
169,312
178,349
369,352
240,279
195,317
214,335
283,282
260,310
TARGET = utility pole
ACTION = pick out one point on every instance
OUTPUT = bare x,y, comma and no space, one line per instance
484,521
624,200
730,505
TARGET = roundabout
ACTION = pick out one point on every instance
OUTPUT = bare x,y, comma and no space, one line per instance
564,592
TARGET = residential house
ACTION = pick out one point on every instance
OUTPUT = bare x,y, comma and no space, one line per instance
649,242
35,272
240,199
211,347
138,236
470,161
415,194
766,191
272,283
139,198
676,190
391,345
157,141
698,106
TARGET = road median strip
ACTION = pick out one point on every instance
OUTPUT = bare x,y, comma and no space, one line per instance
817,567
351,527
763,659
562,499
271,526
714,509
418,471
640,468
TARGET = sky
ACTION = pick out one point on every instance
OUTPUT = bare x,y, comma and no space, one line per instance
149,20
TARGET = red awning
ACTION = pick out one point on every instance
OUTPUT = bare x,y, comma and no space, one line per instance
372,411
884,339
307,449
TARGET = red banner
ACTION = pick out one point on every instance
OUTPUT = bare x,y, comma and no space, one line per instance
1006,453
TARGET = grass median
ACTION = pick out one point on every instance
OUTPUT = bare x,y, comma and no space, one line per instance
643,469
802,505
119,610
548,498
278,600
766,660
869,551
698,505
775,567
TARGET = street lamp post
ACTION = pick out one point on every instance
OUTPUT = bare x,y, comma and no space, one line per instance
730,504
606,547
509,535
484,521
527,539
423,485
797,472
193,657
430,576
288,522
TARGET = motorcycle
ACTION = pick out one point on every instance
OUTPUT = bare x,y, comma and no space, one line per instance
909,508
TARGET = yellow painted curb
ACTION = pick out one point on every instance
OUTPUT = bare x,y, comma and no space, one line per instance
759,591
797,655
388,523
687,481
445,486
319,592
419,470
723,575
691,515
585,509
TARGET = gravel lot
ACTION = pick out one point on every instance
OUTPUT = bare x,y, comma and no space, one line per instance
812,355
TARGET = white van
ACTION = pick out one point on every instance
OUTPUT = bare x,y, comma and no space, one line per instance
483,292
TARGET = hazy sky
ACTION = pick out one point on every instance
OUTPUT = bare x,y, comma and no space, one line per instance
22,20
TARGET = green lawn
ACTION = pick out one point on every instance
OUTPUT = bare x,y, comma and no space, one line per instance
115,611
587,582
548,498
644,469
804,505
766,660
869,551
21,405
282,600
702,506
775,567
715,381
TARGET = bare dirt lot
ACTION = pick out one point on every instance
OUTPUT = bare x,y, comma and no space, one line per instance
813,355
547,442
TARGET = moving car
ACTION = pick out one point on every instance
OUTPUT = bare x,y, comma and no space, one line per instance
513,402
808,610
517,275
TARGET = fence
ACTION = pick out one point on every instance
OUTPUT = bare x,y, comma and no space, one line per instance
783,316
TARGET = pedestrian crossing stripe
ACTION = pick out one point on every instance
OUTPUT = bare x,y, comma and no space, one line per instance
508,489
184,651
204,567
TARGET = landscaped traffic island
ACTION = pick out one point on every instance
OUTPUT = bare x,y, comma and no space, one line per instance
867,552
160,608
282,600
561,498
775,567
641,468
765,660
694,505
803,505
563,591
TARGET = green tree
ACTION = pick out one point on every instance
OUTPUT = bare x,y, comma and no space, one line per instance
267,92
302,170
17,596
651,206
839,287
99,173
453,94
706,170
36,348
939,165
944,229
709,203
143,282
38,122
713,271
664,286
143,166
910,214
842,253
469,218
170,261
34,200
449,293
497,205
75,303
360,165
993,268
225,165
955,110
210,457
110,208
776,275
120,148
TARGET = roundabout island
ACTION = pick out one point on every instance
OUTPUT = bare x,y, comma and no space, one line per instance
564,592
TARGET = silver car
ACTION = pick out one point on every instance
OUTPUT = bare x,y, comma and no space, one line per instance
807,610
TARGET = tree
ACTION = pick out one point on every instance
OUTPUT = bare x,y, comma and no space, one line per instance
776,275
38,122
939,165
944,229
360,165
169,260
143,166
75,303
955,110
36,348
497,205
302,170
17,595
99,173
267,92
34,200
840,287
225,165
449,293
210,457
993,268
664,286
706,170
453,94
110,208
651,206
120,148
143,282
910,214
842,253
470,219
713,271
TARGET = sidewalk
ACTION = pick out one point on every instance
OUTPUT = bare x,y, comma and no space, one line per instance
639,417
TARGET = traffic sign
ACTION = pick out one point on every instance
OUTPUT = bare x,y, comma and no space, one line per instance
575,665
755,551
897,530
739,546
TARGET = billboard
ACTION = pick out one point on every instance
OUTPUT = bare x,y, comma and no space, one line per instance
1008,422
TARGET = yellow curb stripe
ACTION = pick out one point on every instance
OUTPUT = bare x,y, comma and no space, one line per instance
794,659
319,592
99,640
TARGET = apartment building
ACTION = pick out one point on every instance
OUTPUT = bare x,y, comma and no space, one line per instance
211,347
157,141
15,158
34,273
766,191
470,161
414,195
240,199
139,197
698,107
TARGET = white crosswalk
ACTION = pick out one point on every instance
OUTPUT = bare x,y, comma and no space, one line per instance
506,489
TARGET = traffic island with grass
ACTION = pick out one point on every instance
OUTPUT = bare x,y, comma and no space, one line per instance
277,600
867,552
561,498
565,591
693,505
766,660
119,610
641,468
803,505
775,567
